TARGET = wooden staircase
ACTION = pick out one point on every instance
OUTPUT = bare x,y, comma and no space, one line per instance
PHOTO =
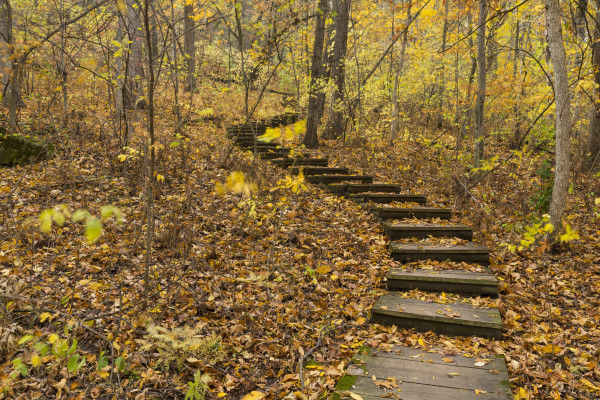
456,377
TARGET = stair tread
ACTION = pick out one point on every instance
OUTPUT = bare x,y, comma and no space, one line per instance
450,318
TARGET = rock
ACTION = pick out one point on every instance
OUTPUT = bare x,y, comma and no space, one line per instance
23,150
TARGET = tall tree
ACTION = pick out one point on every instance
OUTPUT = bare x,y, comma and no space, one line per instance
316,77
336,121
6,45
593,147
481,80
563,113
189,46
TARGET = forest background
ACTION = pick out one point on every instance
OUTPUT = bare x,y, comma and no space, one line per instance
139,262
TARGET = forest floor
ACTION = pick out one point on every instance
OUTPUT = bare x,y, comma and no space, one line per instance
243,290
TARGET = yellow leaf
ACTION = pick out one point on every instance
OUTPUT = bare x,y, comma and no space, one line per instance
361,320
122,6
569,235
323,269
333,277
590,385
52,338
355,396
254,395
221,394
270,135
421,342
160,178
36,361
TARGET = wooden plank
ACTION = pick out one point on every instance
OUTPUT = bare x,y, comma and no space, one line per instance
319,170
366,388
250,144
338,178
450,281
422,231
287,162
446,319
373,187
492,361
388,198
411,212
409,252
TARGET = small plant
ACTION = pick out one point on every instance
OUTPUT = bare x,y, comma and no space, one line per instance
199,387
93,225
180,345
539,233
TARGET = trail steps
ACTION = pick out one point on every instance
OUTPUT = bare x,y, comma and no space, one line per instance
420,375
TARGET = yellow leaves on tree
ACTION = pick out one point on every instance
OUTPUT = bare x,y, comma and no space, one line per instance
236,183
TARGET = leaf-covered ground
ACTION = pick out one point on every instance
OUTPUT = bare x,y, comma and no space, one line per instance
245,290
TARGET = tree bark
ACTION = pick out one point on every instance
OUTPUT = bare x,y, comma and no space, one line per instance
593,146
316,79
326,63
336,120
480,104
396,105
6,43
189,47
133,89
563,115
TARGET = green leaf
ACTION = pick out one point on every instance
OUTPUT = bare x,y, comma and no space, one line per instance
46,220
102,362
73,347
59,218
72,364
93,229
80,215
26,339
120,363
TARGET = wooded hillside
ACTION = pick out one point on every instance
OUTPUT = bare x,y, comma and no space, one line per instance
151,247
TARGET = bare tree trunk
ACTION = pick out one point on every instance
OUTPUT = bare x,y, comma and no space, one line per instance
593,146
133,90
563,114
441,78
480,105
152,156
336,120
316,81
6,45
396,105
326,63
189,47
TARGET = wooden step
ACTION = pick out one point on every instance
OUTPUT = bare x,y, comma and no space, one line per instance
338,178
245,131
450,281
457,319
411,212
422,375
264,145
319,170
353,188
401,231
387,198
288,162
409,252
272,155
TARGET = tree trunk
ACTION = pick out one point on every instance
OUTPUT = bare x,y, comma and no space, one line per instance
336,121
563,114
316,81
327,63
396,105
593,147
133,88
6,43
480,105
189,47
